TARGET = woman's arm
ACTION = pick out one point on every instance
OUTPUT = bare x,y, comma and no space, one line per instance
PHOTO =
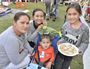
84,41
13,51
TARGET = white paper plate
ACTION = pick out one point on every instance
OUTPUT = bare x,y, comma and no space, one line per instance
68,49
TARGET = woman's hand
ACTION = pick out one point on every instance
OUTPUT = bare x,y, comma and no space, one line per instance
39,27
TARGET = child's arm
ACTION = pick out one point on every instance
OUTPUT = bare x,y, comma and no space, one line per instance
53,55
51,60
49,65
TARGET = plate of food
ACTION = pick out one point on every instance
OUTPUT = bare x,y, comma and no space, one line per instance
68,49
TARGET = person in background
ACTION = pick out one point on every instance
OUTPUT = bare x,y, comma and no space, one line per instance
51,9
14,47
88,12
37,22
84,8
45,52
54,10
79,31
48,5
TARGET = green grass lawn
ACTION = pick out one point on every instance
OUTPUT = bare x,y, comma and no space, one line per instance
7,21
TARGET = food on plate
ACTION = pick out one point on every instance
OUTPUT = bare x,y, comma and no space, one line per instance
68,49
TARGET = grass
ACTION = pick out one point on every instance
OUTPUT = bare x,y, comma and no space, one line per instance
5,22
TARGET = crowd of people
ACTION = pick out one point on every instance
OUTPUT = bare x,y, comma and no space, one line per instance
18,42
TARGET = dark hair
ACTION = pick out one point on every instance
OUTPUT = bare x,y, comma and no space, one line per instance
45,36
76,6
19,14
35,10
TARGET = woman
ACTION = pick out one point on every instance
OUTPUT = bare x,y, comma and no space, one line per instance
38,20
78,30
14,47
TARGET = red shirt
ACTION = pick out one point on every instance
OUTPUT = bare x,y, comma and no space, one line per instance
45,54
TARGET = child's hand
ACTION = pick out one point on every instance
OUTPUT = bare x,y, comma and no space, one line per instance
49,65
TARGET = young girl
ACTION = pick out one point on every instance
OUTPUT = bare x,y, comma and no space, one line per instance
78,30
45,53
38,20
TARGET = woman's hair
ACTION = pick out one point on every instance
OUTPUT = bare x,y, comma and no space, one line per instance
76,6
35,10
19,14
